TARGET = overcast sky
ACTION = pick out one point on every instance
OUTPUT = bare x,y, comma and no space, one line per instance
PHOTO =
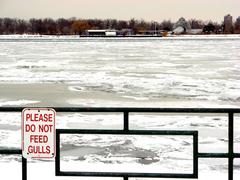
156,10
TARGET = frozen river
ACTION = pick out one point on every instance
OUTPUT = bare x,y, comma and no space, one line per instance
129,72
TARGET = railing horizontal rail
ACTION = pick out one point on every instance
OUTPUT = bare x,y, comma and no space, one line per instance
10,151
126,109
118,174
129,132
217,155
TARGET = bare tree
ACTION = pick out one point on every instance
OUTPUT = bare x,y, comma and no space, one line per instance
166,25
196,24
237,25
79,27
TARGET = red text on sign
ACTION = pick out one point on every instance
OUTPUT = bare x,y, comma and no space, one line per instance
39,117
38,138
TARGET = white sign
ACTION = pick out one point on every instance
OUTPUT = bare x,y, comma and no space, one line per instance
38,132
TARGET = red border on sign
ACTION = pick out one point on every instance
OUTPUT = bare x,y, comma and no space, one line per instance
54,133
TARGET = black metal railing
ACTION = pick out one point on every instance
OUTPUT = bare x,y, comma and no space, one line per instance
125,175
230,155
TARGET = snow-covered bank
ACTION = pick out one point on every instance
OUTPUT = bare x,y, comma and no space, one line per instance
137,37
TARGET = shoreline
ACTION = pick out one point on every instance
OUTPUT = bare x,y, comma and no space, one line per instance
197,36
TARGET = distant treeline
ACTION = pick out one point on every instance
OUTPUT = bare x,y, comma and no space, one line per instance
72,26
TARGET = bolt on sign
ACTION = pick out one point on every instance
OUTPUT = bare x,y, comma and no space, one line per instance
38,132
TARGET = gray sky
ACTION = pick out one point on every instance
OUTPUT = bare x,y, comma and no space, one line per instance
156,10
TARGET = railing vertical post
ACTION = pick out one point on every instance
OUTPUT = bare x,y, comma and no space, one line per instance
195,154
24,168
230,145
57,157
126,121
125,128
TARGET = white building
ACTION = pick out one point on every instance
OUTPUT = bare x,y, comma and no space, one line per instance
101,32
